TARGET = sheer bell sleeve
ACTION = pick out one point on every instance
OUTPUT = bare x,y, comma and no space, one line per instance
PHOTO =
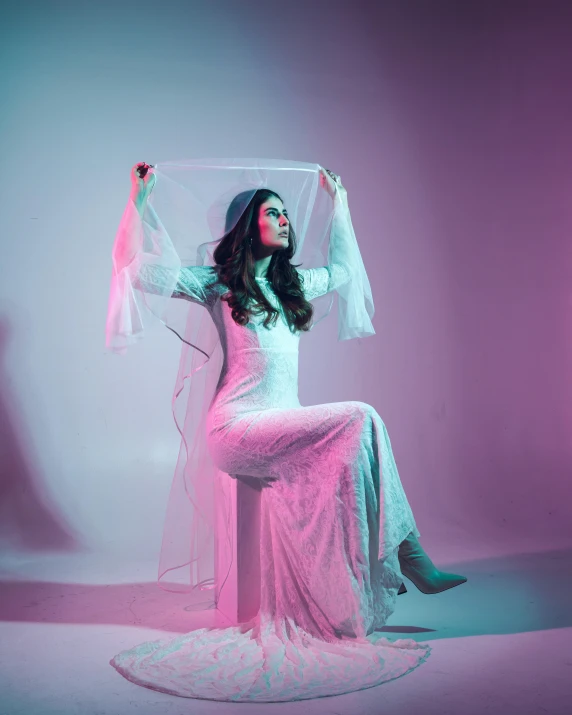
146,274
345,273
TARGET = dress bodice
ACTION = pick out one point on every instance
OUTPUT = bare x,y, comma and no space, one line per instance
260,364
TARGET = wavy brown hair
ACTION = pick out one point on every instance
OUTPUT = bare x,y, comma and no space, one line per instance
235,268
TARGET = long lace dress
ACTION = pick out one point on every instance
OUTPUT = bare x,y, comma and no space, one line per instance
331,523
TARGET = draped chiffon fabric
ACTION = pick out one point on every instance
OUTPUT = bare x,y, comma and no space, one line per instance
192,206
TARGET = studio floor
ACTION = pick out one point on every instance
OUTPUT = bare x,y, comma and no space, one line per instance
502,642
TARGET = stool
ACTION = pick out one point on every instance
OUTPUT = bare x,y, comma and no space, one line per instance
238,583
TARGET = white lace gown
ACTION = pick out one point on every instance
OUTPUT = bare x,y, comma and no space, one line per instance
331,522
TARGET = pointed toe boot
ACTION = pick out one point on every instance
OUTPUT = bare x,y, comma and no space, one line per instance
421,571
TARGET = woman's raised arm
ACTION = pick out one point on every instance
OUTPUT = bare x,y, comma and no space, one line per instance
147,269
345,271
319,281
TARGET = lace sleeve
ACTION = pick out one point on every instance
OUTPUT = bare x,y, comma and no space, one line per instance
345,273
319,281
194,283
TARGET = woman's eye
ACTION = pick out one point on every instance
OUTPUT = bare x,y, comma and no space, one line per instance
274,214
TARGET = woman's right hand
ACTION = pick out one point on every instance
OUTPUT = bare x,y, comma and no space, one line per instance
142,187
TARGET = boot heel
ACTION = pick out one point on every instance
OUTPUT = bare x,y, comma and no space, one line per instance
402,589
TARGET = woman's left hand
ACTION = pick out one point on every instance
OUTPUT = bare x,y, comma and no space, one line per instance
331,182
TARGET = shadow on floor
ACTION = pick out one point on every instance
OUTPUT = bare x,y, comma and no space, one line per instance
510,594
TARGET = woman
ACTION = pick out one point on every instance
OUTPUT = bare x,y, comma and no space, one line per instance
337,532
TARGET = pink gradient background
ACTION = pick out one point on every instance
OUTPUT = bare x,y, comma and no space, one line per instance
450,124
450,127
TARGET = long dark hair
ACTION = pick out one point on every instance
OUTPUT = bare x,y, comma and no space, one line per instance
235,268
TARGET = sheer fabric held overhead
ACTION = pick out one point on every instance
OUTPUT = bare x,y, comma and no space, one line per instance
181,225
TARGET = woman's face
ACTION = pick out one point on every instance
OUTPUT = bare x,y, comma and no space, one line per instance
273,224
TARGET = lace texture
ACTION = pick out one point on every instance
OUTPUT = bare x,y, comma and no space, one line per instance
331,523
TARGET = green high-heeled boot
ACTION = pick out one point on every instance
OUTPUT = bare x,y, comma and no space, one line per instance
418,568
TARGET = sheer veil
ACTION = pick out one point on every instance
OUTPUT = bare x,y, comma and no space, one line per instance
185,218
